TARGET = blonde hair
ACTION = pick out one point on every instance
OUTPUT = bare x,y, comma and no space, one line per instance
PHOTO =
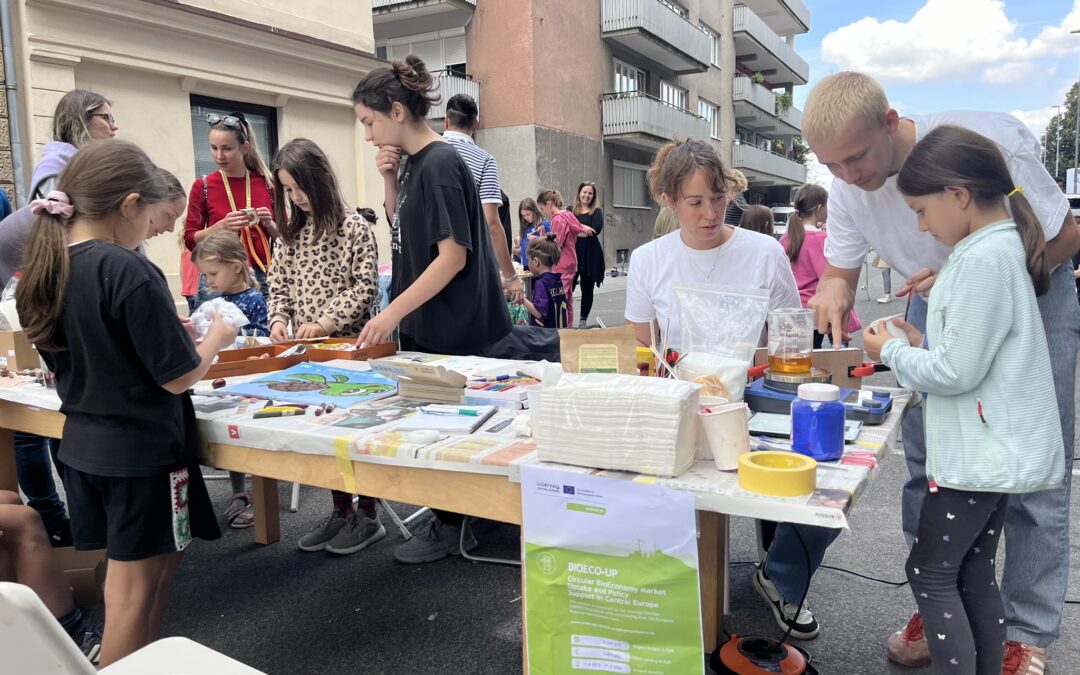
839,99
224,248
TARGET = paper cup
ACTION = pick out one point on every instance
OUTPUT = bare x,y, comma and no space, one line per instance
711,401
726,433
533,393
702,450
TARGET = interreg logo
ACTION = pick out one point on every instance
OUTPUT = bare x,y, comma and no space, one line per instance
568,489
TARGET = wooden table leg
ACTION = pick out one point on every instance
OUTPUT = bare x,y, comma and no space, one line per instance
9,478
712,565
264,493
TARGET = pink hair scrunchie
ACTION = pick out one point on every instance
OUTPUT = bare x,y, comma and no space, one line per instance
56,203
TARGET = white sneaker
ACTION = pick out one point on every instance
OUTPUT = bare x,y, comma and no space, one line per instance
788,615
885,299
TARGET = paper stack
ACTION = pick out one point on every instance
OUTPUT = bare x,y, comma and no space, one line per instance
624,422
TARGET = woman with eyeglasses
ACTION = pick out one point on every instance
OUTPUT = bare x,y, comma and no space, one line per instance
590,253
80,117
237,198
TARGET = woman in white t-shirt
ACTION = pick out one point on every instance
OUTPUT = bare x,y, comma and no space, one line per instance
691,180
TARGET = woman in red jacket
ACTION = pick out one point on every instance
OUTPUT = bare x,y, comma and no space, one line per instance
567,229
237,197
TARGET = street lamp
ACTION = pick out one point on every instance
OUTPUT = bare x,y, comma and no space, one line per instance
1057,144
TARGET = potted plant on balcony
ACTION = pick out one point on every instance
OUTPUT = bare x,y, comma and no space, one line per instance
778,146
757,78
783,102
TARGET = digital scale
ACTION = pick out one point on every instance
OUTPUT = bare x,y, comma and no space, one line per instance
774,393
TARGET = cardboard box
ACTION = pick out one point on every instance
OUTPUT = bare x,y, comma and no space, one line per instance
249,360
20,354
84,572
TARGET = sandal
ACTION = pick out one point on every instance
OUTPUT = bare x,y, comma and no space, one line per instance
240,514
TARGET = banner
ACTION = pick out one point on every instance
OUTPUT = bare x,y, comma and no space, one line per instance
611,576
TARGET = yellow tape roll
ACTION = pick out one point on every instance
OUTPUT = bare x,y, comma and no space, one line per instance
777,474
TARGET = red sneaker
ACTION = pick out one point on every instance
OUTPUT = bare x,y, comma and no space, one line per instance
1022,659
908,647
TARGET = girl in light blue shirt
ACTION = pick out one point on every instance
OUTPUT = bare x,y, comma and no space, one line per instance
992,426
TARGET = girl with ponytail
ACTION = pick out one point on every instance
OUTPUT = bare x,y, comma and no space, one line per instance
804,245
104,321
992,426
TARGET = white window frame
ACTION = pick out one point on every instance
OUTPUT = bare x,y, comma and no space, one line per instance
440,35
676,7
618,191
714,44
704,107
623,70
669,90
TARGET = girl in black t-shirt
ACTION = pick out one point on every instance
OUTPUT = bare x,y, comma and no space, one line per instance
103,319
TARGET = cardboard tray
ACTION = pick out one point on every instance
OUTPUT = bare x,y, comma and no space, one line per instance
249,361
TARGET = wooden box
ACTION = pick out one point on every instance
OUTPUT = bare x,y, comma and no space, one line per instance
249,360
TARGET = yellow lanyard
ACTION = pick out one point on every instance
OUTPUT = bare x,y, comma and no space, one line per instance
228,190
248,239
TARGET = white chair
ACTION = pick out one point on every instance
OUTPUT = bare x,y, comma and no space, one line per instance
32,641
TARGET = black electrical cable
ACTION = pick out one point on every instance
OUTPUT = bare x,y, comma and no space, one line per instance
835,569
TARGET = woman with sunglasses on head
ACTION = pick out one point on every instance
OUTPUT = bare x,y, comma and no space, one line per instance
590,254
237,198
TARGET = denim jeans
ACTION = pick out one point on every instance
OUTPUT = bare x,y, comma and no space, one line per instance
34,469
1036,568
786,564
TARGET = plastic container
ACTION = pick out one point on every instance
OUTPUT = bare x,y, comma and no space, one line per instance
817,422
726,433
791,340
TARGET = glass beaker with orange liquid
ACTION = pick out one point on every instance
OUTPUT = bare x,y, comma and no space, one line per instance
791,340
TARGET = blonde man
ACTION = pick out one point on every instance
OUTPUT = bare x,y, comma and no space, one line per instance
850,126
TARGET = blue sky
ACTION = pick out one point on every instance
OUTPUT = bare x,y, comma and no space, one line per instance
1014,56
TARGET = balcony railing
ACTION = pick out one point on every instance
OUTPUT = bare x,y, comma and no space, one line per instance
754,160
646,121
765,111
654,30
450,84
778,52
388,4
786,17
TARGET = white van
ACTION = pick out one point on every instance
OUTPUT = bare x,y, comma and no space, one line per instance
780,214
1074,205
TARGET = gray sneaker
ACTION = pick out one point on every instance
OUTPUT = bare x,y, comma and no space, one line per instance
322,533
439,541
359,533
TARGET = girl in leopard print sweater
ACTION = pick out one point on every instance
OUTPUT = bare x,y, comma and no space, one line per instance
324,283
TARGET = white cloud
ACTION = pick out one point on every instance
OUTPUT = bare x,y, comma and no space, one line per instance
948,39
1036,119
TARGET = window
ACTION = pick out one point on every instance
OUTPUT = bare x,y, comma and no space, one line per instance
711,112
630,188
674,95
440,50
629,78
676,7
263,122
714,43
744,136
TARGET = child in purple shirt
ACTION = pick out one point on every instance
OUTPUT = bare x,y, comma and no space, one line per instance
548,304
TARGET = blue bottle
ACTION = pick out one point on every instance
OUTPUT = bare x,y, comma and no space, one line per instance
817,422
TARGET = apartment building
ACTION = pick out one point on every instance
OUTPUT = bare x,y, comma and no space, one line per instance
589,90
164,64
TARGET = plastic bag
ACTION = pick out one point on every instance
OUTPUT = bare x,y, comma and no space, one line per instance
202,317
721,330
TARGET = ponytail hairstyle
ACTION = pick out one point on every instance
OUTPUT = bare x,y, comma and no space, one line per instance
72,116
310,169
807,199
757,218
244,133
96,182
224,248
677,161
406,82
951,156
528,204
551,197
545,250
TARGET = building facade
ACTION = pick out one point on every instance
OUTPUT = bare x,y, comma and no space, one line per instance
590,90
290,67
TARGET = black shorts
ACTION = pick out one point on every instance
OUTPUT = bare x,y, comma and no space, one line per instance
136,518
